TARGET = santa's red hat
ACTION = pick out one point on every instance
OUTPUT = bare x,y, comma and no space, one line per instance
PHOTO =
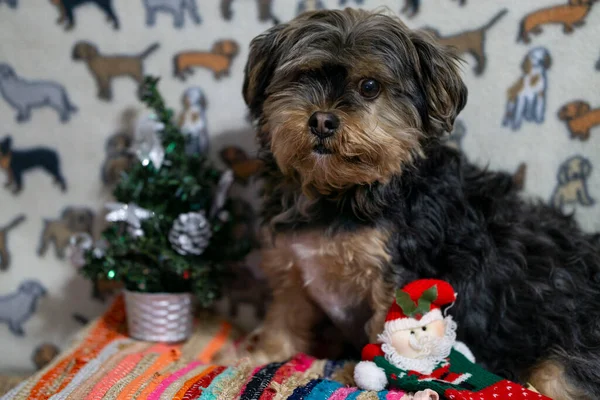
418,304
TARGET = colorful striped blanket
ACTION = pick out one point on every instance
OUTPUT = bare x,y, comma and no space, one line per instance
103,363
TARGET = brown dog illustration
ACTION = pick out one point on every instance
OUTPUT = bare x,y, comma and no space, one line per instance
218,60
470,42
119,156
568,15
580,118
59,231
411,7
4,253
264,10
241,164
104,68
572,180
44,354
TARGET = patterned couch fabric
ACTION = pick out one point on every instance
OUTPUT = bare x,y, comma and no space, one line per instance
68,77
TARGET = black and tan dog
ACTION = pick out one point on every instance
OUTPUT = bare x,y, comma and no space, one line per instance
17,162
361,197
66,8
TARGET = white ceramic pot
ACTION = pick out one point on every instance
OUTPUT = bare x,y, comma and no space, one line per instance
159,317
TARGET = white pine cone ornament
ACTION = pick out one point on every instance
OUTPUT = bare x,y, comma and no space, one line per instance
190,233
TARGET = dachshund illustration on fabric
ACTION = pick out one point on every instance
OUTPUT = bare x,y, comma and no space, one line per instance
580,118
218,60
58,232
570,16
264,10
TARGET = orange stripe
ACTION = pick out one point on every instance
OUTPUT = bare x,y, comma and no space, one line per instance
190,382
161,362
107,329
215,344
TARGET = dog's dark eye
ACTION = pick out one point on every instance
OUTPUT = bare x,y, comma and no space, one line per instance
369,88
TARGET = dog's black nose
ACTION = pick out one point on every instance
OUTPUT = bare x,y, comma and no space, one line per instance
323,124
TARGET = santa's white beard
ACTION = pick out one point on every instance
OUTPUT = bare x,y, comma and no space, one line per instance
432,350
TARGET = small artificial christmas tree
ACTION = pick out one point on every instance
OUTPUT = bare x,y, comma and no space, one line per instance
170,229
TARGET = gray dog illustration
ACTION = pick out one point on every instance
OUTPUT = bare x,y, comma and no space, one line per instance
10,3
18,307
25,95
175,7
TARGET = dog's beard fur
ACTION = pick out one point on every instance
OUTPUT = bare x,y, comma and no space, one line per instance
316,63
371,145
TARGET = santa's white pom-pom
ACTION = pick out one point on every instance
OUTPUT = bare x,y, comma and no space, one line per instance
464,350
369,376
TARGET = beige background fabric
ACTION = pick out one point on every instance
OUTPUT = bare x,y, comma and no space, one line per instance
38,49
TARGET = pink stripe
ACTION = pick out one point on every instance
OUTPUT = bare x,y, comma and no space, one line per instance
395,395
342,393
167,382
123,368
303,362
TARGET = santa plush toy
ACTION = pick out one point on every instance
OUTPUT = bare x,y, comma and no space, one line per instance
418,350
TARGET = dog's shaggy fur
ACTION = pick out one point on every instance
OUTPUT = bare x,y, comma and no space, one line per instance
375,201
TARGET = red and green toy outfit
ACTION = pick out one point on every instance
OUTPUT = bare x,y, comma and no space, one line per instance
454,378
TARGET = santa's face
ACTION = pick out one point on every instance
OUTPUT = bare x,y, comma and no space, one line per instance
418,342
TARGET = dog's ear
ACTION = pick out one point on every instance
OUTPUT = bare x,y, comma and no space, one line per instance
547,63
583,108
262,60
563,173
6,145
586,167
445,91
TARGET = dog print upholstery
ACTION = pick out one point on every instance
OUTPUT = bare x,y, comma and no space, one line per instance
104,68
177,8
4,230
16,308
17,162
526,98
25,95
570,15
59,231
218,60
66,11
470,42
580,118
572,183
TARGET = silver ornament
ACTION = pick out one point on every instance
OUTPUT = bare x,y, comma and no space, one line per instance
130,213
223,186
190,233
79,244
147,145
